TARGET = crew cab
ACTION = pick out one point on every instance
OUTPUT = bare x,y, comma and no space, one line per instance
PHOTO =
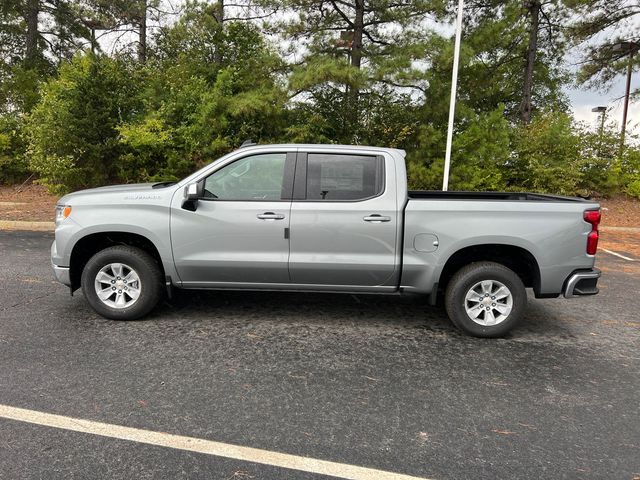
324,218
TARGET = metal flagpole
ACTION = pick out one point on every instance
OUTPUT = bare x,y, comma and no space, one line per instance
452,103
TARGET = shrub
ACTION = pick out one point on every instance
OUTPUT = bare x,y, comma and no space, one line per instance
547,156
633,188
479,154
13,165
72,133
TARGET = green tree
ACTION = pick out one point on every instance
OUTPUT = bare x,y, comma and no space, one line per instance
513,55
35,35
547,156
355,53
72,133
481,149
210,86
598,26
13,164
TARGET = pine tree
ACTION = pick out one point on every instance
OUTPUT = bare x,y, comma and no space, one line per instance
355,50
599,26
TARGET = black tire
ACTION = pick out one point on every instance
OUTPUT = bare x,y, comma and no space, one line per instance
468,277
147,269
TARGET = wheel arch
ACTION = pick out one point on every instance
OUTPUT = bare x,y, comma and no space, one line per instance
516,258
90,244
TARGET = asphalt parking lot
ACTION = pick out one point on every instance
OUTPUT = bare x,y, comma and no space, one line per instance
385,383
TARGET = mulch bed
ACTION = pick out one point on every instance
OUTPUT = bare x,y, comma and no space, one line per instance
28,203
620,212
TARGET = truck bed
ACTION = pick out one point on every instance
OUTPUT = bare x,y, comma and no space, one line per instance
507,196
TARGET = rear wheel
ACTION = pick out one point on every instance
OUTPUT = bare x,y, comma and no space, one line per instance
122,282
485,299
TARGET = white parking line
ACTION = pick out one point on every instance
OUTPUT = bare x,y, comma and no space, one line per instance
618,255
209,447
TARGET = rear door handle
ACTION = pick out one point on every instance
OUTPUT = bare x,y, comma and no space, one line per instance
375,218
270,216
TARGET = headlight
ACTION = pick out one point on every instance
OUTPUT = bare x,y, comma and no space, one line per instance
62,212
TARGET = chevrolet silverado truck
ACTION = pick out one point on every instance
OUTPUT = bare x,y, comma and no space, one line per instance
324,218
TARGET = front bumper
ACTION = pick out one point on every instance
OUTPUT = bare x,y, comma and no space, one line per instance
62,274
581,283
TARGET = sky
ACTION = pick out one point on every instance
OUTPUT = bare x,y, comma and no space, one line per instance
583,100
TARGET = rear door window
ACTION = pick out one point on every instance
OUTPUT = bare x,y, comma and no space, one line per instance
343,177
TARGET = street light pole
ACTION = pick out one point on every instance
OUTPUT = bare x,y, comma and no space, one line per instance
452,101
602,111
623,49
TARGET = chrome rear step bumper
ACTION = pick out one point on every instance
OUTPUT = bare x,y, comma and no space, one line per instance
581,283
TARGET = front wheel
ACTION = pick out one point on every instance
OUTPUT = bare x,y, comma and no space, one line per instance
485,299
122,282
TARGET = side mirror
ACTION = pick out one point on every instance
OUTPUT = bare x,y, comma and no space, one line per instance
192,193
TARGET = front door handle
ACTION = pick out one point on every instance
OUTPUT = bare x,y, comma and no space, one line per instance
375,218
270,216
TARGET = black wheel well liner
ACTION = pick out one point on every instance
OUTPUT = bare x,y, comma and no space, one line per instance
91,244
518,259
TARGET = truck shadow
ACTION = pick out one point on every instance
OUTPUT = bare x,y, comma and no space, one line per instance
333,310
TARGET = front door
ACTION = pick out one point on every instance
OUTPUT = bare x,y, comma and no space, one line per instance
237,232
344,221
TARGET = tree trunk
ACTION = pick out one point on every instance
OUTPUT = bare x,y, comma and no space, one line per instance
32,52
353,92
358,28
142,40
533,6
218,13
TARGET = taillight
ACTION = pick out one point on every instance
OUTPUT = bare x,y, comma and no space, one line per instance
592,217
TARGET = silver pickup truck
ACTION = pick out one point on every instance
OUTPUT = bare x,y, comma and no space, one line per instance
324,218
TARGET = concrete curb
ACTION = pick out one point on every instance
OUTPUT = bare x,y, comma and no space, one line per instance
620,229
26,225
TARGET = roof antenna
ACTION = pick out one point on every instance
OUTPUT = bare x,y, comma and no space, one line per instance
247,143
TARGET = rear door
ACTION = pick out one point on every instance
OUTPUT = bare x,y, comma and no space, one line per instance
343,220
238,233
